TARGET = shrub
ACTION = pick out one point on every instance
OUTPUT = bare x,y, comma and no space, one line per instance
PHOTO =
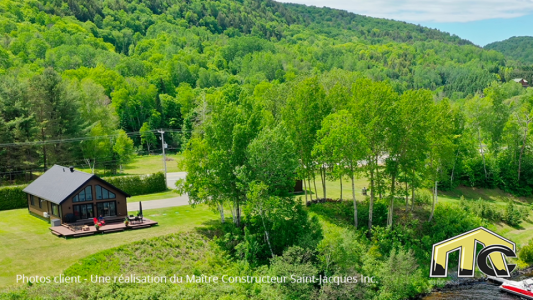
512,215
423,197
13,198
295,261
400,277
379,213
288,224
526,253
449,220
341,250
482,209
140,184
387,239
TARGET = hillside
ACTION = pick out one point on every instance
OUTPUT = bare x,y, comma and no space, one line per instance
264,17
147,64
328,20
517,48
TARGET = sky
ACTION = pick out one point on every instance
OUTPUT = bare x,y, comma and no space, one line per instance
480,21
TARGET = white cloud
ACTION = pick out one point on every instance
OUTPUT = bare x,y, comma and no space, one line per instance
430,10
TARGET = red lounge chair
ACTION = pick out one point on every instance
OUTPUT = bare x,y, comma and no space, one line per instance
95,220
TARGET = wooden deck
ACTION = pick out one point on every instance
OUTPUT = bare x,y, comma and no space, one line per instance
64,231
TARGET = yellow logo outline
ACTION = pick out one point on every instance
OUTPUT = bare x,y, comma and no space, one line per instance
495,249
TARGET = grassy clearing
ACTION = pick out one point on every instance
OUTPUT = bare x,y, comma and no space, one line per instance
29,248
152,164
333,188
155,196
520,235
181,254
146,164
493,196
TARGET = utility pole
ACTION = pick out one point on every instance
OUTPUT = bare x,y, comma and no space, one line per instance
163,146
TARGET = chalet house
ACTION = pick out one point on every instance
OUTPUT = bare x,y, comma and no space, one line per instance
522,81
69,196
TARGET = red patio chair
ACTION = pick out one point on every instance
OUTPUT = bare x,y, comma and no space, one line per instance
102,223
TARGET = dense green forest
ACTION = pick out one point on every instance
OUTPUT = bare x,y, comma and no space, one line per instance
519,53
518,48
75,73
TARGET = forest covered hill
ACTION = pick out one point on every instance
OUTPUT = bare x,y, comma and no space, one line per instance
517,48
89,68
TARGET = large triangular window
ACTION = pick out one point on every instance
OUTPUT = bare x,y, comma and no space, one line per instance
103,193
85,195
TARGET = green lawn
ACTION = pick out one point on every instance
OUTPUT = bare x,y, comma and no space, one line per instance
520,235
28,247
146,164
495,196
333,188
156,196
152,164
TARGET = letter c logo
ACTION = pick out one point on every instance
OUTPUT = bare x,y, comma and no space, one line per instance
484,267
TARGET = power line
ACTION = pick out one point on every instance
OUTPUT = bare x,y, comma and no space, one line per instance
80,139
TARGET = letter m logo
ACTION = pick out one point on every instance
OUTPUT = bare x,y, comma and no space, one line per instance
490,260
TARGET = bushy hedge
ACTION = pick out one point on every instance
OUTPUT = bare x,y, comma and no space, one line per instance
13,198
141,184
526,253
513,214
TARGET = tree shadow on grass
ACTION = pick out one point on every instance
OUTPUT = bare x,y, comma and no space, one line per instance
210,229
492,195
528,221
516,227
338,213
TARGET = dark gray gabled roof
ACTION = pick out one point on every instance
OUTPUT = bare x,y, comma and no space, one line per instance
57,184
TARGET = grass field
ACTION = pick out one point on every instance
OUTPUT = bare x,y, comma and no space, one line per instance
520,235
333,188
146,164
152,164
156,196
27,246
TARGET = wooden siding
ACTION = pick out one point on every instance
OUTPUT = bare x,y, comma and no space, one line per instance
45,207
67,207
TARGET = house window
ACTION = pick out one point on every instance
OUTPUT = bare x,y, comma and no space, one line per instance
106,209
40,202
88,193
85,195
55,210
102,193
32,200
83,211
